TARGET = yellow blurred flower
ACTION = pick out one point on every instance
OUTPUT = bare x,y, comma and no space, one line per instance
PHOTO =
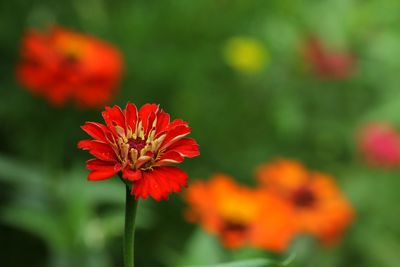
245,54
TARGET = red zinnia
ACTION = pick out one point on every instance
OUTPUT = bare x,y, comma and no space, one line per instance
138,145
63,65
379,143
328,63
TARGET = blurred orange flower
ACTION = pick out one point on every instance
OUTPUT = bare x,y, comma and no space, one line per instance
379,143
63,65
289,174
328,63
320,208
240,216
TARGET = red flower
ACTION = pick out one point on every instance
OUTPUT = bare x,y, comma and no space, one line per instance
138,145
63,65
379,143
327,63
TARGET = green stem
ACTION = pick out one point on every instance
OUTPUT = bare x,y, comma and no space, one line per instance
129,235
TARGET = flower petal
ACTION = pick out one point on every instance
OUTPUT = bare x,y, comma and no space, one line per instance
131,175
169,157
174,135
98,165
186,147
159,183
114,117
84,144
98,149
176,123
131,116
145,114
162,122
101,169
101,175
150,123
95,130
176,178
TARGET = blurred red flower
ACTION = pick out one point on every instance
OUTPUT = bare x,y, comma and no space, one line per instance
138,145
240,216
327,63
63,65
379,143
320,208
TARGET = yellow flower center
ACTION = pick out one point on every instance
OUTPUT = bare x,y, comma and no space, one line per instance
238,209
136,149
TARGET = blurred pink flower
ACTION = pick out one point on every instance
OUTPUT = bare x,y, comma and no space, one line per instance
379,143
328,63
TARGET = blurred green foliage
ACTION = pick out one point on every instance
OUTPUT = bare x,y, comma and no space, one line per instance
173,53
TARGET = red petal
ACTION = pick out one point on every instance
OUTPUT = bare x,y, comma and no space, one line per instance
113,117
58,94
162,122
131,175
100,175
186,147
100,150
95,130
150,185
85,144
174,135
169,157
150,122
99,165
145,112
131,116
177,178
176,123
159,183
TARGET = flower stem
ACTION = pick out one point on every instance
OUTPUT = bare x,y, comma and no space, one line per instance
129,236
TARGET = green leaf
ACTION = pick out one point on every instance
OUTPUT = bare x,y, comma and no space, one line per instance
17,172
246,263
38,222
198,245
253,263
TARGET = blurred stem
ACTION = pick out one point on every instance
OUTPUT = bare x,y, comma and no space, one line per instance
129,236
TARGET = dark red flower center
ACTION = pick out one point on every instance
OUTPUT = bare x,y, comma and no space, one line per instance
69,60
137,144
234,227
234,234
304,197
